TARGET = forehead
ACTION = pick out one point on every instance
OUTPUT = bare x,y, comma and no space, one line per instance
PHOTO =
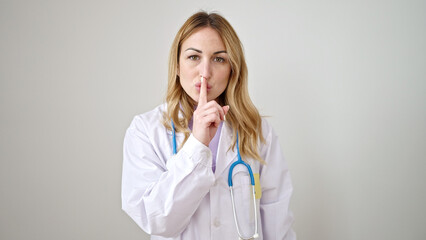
204,39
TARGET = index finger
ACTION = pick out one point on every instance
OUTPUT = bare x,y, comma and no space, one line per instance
203,92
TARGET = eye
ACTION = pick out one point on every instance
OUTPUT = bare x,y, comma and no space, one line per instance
219,59
194,57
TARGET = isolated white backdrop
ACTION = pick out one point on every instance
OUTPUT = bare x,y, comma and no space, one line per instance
344,84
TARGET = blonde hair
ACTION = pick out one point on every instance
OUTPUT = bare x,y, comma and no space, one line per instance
243,115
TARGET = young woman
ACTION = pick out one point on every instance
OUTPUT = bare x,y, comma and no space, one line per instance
178,157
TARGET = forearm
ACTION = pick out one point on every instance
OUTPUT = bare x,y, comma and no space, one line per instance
166,202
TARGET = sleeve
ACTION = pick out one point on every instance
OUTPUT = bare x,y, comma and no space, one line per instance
277,188
161,198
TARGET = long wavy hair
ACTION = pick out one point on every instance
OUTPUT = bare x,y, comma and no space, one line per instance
243,115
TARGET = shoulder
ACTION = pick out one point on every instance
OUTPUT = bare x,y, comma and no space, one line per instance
267,129
150,119
269,136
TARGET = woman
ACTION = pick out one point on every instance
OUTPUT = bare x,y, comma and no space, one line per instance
180,190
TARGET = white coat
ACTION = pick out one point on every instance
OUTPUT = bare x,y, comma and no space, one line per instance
180,197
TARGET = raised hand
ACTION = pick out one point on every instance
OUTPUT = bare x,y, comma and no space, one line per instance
207,116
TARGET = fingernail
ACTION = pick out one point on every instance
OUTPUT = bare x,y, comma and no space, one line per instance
201,79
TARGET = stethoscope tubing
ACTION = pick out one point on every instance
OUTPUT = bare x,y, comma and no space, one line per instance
239,161
174,138
231,169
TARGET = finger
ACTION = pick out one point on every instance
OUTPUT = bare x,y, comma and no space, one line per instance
209,116
202,100
212,118
214,106
211,110
225,109
217,122
221,112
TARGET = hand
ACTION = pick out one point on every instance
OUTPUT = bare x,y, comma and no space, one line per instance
207,116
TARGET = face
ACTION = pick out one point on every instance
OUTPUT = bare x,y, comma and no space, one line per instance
203,54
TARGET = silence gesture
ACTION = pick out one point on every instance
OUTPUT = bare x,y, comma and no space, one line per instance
207,116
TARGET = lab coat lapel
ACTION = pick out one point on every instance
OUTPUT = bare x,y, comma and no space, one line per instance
224,157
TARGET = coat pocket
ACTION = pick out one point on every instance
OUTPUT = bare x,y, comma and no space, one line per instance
243,199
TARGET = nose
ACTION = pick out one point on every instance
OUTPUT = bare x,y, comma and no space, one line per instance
205,69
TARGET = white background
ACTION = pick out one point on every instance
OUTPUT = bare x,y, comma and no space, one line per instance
344,84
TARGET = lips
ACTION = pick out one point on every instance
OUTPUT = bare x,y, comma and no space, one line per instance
198,86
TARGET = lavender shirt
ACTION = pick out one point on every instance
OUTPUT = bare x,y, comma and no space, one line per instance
214,143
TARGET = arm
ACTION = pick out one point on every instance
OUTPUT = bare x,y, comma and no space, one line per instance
161,199
276,191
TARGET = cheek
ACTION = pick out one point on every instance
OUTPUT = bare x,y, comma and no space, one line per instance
186,70
185,76
225,74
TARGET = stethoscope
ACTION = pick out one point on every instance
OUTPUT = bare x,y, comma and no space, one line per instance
239,161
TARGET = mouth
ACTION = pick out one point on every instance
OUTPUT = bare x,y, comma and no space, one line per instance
198,86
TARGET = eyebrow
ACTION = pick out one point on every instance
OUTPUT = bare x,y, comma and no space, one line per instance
199,51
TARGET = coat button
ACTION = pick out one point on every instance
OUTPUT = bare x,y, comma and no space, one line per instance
216,183
216,223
